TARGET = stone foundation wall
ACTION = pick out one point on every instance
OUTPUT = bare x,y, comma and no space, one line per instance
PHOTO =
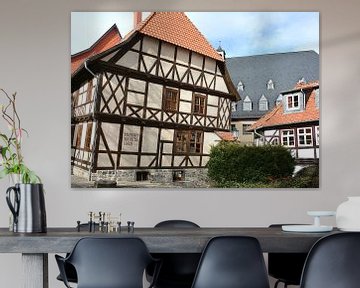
80,172
190,178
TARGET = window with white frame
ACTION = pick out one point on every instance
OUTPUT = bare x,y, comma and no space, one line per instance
317,135
305,136
293,102
263,103
270,85
288,137
247,104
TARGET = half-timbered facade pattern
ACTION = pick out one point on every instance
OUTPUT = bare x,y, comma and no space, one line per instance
152,104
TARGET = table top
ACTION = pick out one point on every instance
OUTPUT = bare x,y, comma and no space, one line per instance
158,240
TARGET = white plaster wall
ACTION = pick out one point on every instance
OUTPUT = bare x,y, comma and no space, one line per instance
47,118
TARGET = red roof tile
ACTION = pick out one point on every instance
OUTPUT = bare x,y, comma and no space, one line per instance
226,136
176,28
109,39
277,116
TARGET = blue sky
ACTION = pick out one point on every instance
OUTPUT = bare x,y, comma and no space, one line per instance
240,33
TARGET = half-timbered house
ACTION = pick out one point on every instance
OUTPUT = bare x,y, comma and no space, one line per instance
150,107
294,123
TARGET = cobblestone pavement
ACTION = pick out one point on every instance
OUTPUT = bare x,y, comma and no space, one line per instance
79,182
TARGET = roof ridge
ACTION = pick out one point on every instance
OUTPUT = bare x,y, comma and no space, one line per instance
273,54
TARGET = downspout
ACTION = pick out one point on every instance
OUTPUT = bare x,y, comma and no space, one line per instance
93,116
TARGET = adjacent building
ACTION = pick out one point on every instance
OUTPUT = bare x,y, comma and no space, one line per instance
261,79
150,107
293,123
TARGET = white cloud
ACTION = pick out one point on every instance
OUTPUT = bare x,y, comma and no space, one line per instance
251,33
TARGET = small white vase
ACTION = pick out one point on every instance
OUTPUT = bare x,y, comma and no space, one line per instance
348,215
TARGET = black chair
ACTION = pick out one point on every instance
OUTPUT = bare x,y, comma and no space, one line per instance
333,262
286,267
108,263
69,269
178,269
232,262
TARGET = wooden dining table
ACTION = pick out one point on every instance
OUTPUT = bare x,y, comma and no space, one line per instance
35,247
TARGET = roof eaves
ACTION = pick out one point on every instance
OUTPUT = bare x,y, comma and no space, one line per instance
230,85
282,124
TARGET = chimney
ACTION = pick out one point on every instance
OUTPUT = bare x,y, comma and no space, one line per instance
137,18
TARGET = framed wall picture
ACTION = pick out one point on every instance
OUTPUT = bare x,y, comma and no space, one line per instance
195,99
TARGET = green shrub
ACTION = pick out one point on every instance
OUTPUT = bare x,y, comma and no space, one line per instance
307,177
233,163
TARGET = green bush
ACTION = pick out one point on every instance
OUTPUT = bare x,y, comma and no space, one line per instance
231,162
307,177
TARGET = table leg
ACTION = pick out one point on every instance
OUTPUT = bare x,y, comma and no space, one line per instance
35,270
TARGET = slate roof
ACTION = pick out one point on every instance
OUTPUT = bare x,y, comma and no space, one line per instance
277,117
109,39
284,69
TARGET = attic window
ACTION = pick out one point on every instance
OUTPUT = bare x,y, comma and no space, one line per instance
270,85
263,104
233,106
240,86
293,102
247,104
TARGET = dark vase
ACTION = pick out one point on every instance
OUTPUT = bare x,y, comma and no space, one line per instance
27,207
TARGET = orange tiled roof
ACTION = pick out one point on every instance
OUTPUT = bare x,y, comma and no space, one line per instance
277,116
226,136
109,39
176,28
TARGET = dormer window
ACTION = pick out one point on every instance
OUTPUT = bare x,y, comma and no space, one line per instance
240,86
270,85
279,100
247,104
263,104
293,102
302,81
233,106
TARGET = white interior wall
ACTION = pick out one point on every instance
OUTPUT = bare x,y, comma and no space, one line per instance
35,62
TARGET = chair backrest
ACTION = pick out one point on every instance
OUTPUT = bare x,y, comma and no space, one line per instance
177,268
333,262
232,262
110,262
176,224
